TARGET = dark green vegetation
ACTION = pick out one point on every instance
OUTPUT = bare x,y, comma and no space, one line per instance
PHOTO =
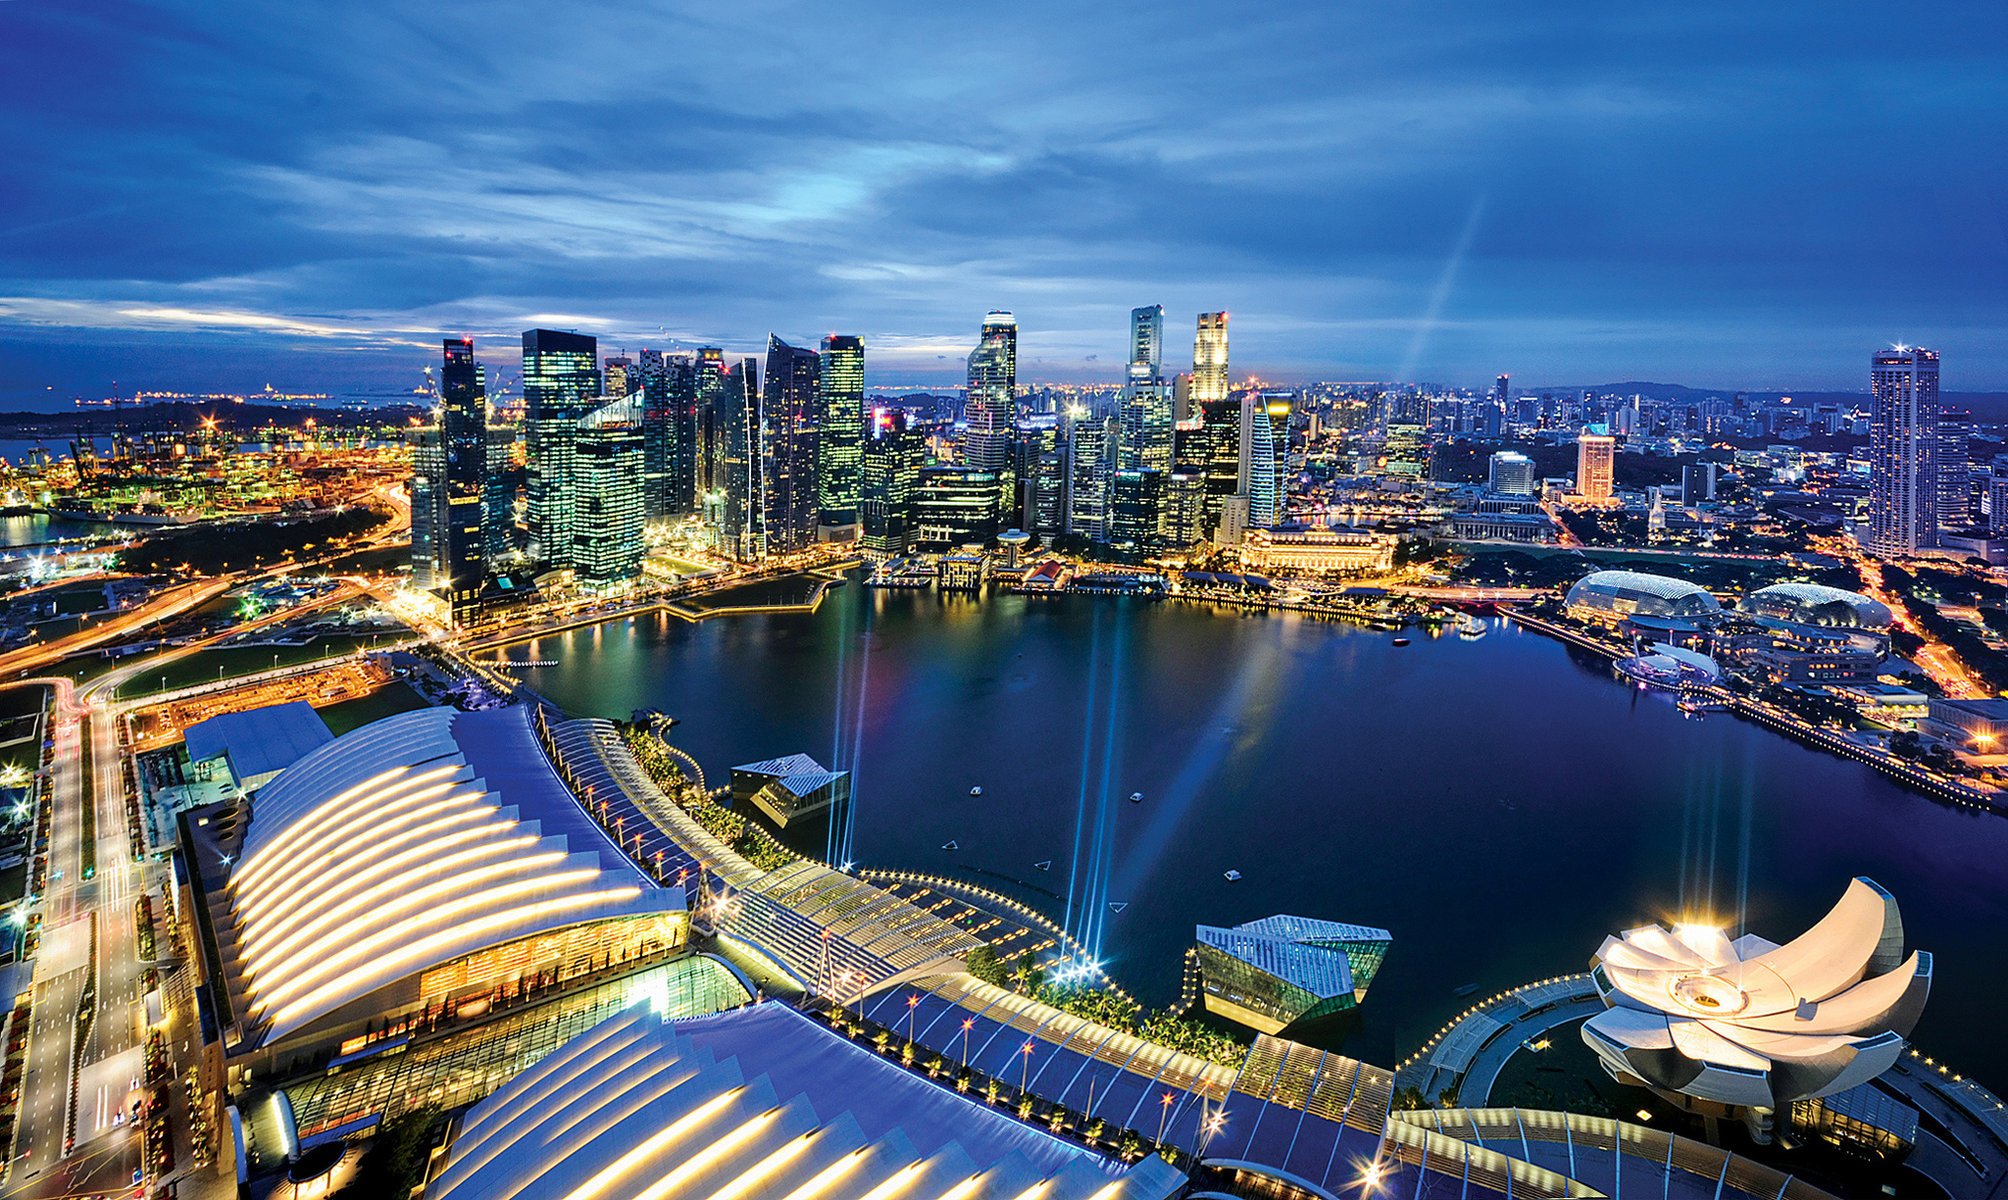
1922,590
764,593
239,545
395,1161
1558,567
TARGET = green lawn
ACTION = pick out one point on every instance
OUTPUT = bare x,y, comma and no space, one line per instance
228,662
387,701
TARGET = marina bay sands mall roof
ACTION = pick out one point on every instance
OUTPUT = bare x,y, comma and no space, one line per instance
409,844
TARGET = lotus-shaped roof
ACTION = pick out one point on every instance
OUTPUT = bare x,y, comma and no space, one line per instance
1749,1022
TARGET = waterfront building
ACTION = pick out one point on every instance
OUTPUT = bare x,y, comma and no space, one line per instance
412,868
1815,619
1652,604
1184,508
1091,451
608,535
1510,473
561,384
1280,970
1317,550
954,507
1749,1026
990,414
1209,360
840,433
789,788
1596,462
1982,724
1046,494
1145,441
1136,501
1903,451
1218,447
889,475
762,1102
788,449
739,466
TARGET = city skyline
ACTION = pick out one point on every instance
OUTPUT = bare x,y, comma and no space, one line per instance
1584,197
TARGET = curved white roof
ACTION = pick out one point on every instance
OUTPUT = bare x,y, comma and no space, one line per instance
1639,585
1753,1023
407,844
759,1102
1820,605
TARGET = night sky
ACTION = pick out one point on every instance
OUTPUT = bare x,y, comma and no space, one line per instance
224,194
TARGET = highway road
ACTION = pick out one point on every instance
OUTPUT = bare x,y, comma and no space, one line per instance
84,1051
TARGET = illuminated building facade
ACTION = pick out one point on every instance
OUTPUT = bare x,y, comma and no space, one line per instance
737,470
991,412
561,384
1903,451
840,431
1510,473
1317,550
889,476
1136,505
384,878
954,507
669,434
607,540
1596,463
1091,450
788,446
1146,418
1272,973
1655,604
1209,359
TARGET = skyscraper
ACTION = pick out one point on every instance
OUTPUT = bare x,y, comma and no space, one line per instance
708,442
954,507
561,384
1596,462
991,411
889,474
607,542
1955,469
1091,443
788,445
449,477
1218,451
1136,504
1209,359
669,433
736,473
840,431
1510,473
1255,466
1903,451
1146,434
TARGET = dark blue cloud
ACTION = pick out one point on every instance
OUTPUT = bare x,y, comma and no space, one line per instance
1727,193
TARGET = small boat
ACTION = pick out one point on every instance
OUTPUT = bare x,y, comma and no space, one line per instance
1136,797
950,845
1043,865
1471,627
1116,906
1464,991
976,791
1401,641
1232,876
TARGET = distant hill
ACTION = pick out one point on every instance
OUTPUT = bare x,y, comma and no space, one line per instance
1985,406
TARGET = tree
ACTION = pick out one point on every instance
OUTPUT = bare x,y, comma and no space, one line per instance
394,1164
984,964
